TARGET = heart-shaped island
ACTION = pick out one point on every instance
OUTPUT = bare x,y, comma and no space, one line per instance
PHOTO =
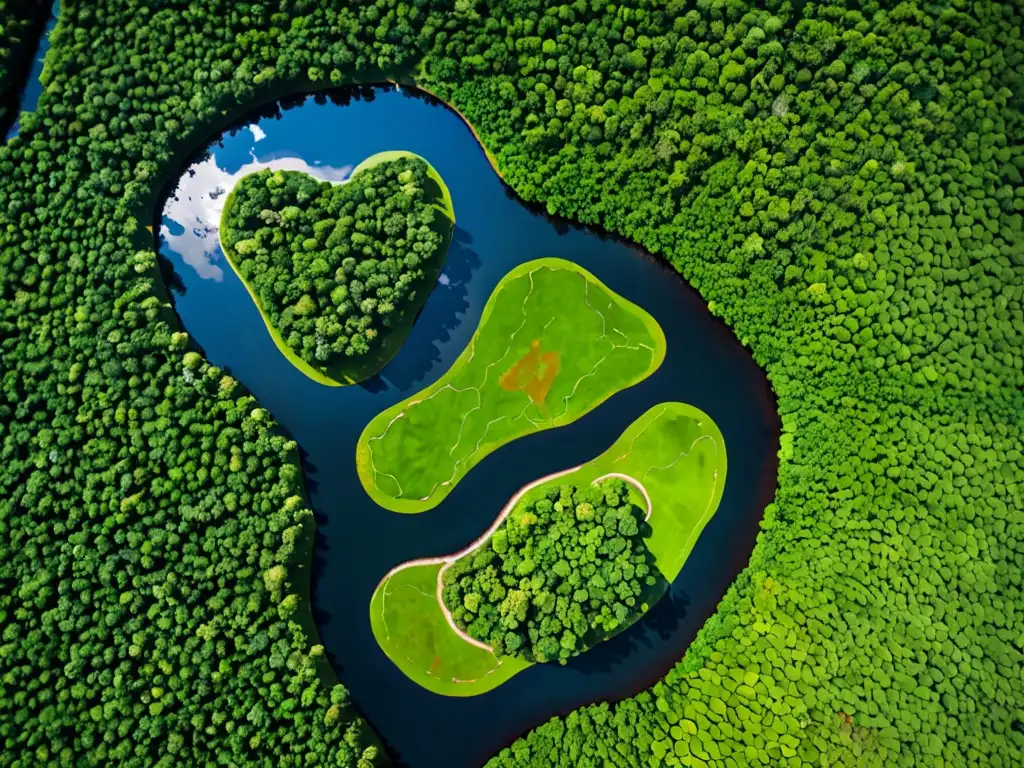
339,271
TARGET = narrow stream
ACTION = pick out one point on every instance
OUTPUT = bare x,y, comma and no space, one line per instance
33,87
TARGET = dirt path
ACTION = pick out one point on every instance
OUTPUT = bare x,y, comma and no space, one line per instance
636,484
446,560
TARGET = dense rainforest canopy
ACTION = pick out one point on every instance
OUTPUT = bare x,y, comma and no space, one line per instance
560,573
334,266
840,180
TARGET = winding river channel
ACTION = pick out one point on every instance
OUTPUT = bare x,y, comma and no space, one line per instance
357,541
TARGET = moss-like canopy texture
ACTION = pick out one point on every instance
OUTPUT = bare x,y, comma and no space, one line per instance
562,571
339,271
840,180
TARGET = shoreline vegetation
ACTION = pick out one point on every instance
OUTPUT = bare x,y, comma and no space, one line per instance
842,183
669,436
552,344
23,24
239,116
293,93
353,371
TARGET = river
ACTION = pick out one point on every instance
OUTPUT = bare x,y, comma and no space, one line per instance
357,542
33,87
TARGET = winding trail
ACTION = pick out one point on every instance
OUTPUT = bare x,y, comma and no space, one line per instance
635,483
446,560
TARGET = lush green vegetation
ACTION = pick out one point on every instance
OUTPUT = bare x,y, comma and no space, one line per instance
560,571
411,628
659,484
842,182
553,343
673,459
340,271
21,23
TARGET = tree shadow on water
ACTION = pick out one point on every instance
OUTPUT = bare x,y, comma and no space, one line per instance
439,317
309,471
169,274
320,546
663,618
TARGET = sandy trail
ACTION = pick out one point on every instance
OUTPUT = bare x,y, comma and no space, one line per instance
636,484
446,560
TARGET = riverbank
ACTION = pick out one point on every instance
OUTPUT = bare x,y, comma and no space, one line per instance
356,542
20,69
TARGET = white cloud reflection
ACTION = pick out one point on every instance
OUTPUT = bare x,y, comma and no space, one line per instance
198,201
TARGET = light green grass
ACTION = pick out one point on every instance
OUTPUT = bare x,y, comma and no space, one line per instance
353,371
411,629
675,452
413,454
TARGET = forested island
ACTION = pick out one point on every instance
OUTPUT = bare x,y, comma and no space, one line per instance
560,573
842,183
573,559
340,270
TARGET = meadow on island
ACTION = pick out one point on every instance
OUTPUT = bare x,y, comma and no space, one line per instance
672,461
552,344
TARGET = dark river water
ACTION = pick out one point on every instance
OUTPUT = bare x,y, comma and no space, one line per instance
33,88
357,542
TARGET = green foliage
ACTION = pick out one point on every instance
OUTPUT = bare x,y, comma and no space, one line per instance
560,573
876,150
21,23
850,205
334,266
154,541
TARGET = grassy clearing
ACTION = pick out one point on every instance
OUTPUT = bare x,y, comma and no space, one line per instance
412,630
553,343
353,371
676,454
673,458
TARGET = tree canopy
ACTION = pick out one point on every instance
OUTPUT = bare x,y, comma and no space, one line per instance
840,180
560,573
335,266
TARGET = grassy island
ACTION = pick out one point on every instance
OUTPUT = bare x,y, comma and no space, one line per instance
339,271
553,343
671,462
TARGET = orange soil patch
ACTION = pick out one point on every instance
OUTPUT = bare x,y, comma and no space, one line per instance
533,373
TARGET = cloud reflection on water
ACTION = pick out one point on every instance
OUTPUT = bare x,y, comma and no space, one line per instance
198,201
